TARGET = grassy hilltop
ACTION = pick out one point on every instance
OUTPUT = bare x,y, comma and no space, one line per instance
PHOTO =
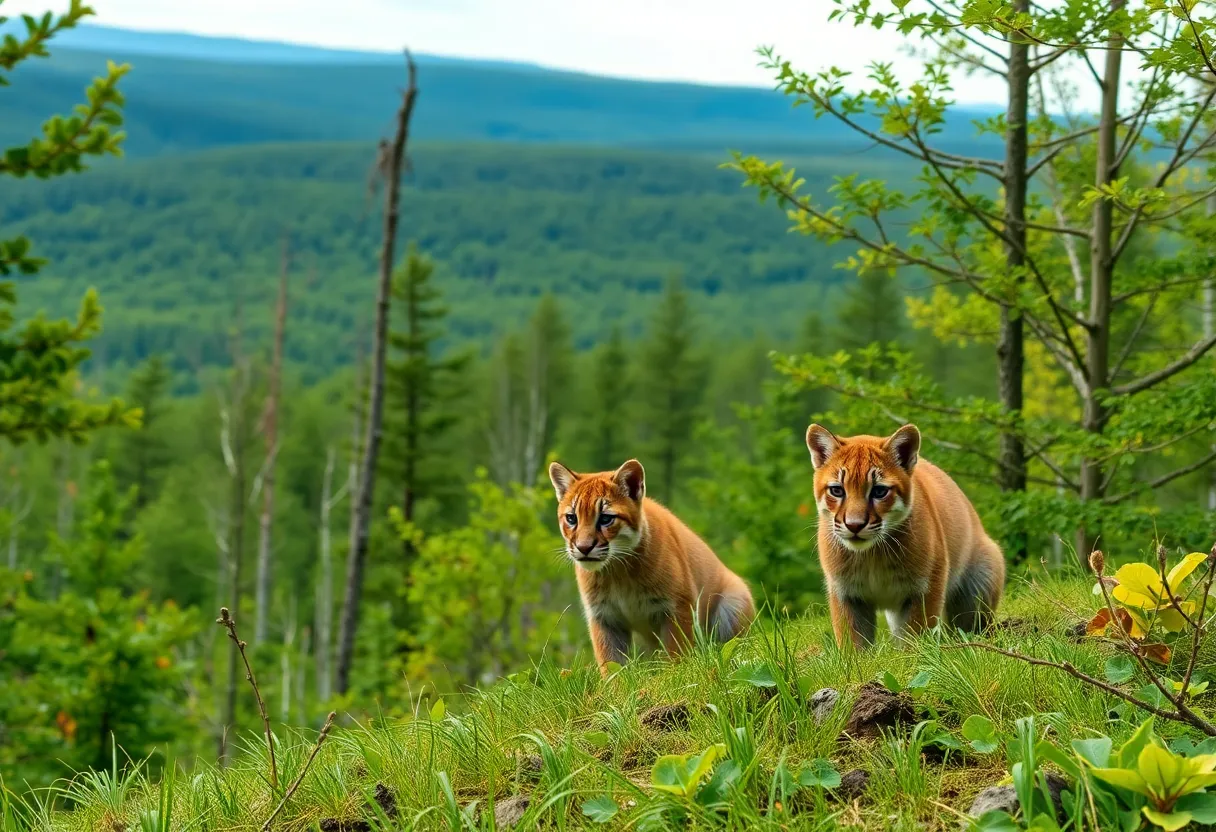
559,748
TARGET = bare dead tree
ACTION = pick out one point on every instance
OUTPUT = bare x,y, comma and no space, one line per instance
323,615
270,434
232,449
362,506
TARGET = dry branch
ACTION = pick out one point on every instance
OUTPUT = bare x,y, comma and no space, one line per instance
229,623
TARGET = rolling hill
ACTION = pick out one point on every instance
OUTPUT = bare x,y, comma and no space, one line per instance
172,243
190,93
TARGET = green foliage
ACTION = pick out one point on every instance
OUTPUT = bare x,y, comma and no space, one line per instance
39,359
670,392
491,593
96,665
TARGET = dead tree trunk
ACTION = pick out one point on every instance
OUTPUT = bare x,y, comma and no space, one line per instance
270,432
362,507
232,445
323,617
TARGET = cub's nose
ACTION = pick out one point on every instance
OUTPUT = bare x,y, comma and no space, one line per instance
585,548
855,526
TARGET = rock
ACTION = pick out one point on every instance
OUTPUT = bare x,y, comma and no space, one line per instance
1005,798
667,717
994,799
877,710
852,785
386,800
511,811
823,702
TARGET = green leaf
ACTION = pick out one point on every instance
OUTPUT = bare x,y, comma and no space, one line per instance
438,710
668,773
920,681
1129,752
611,669
995,821
981,733
1201,806
756,674
1119,669
729,649
600,809
889,681
597,739
717,789
1169,821
1094,751
819,773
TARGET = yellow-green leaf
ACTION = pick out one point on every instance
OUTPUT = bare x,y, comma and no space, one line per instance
1123,778
1184,568
1169,821
1138,579
1162,771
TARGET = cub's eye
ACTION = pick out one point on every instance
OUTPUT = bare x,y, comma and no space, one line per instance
606,520
836,491
571,519
879,491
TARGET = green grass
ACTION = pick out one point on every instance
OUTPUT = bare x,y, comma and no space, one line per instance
564,737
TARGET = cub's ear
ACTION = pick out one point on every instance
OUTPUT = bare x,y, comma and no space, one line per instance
904,445
562,478
631,479
822,443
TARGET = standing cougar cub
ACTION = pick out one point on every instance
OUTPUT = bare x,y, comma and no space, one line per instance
896,534
640,570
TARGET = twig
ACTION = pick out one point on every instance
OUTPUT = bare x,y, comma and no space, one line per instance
1183,713
329,723
1068,668
229,623
1169,591
1199,625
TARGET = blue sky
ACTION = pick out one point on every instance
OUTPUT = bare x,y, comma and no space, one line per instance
707,41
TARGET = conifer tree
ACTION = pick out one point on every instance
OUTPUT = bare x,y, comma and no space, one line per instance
423,392
144,456
671,385
609,432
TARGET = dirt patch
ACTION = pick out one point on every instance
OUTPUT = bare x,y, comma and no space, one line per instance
335,825
511,811
667,717
876,710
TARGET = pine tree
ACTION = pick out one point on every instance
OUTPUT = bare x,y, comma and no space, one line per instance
143,456
423,392
530,379
871,312
672,384
609,436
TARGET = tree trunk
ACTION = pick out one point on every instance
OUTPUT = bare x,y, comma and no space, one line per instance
413,409
1010,345
362,505
325,583
1209,327
1101,278
270,431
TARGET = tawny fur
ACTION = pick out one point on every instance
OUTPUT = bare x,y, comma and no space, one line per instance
917,552
641,572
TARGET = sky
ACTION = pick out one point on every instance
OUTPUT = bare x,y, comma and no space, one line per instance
705,41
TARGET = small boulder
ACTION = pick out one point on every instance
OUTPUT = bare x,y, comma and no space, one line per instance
667,717
1005,798
509,812
852,785
876,710
823,702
